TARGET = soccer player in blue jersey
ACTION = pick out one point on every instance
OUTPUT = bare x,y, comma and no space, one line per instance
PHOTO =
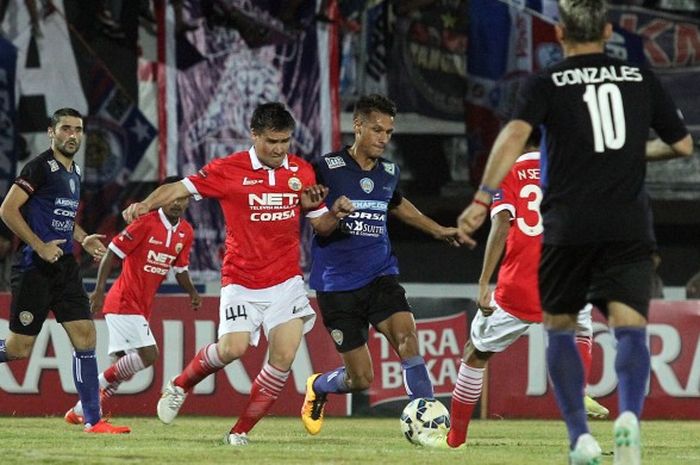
354,271
598,237
40,209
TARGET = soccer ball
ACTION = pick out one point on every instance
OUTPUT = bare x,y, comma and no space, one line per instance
427,417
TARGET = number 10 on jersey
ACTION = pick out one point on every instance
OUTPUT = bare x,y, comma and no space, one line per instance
607,114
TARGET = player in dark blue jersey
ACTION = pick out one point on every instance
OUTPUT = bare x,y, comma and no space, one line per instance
596,112
40,209
354,271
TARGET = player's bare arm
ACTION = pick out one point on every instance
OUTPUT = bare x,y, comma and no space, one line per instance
185,282
408,213
163,195
507,148
495,245
97,298
328,222
12,216
658,150
91,243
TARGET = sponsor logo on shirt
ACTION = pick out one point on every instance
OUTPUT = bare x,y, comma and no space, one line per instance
158,262
334,162
272,206
202,173
154,241
378,205
367,185
53,164
251,182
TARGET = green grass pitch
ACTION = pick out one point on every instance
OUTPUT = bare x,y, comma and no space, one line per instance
356,441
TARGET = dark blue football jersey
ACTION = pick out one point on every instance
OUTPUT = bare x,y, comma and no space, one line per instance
358,251
54,196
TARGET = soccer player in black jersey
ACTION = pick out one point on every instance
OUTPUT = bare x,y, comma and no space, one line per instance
596,113
40,209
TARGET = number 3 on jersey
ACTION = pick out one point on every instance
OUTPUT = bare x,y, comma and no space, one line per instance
533,193
607,116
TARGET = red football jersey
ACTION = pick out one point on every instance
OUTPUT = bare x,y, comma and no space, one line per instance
520,194
149,247
261,208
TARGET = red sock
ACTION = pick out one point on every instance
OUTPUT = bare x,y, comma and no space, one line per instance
464,398
266,388
203,364
585,349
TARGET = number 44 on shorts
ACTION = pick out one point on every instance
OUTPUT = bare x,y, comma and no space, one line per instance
238,312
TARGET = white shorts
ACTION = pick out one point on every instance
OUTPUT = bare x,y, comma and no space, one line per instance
498,331
128,333
246,310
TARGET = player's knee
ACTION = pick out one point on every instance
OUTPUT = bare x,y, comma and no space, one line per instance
230,352
282,359
407,344
149,356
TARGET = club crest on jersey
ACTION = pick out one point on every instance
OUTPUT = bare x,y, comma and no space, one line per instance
53,164
334,162
389,167
294,183
178,247
26,318
337,336
367,185
71,183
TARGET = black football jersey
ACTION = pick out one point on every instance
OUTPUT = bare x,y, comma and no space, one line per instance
595,113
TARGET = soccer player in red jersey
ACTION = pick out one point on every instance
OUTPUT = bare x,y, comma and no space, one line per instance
149,247
508,312
263,192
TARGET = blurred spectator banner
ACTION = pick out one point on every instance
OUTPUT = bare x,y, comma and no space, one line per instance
8,130
250,57
428,68
510,39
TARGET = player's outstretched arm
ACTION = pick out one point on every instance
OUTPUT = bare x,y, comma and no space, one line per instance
506,149
185,282
408,213
495,244
163,195
97,298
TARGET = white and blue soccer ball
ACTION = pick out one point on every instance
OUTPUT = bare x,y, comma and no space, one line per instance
424,417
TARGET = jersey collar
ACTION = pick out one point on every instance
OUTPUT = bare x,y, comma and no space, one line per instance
255,161
166,222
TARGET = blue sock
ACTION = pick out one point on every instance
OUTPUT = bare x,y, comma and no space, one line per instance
566,372
416,379
331,382
85,378
632,366
3,351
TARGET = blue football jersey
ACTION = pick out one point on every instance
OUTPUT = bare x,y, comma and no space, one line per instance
359,250
54,196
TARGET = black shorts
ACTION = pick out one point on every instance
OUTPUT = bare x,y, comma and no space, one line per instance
572,275
47,286
348,314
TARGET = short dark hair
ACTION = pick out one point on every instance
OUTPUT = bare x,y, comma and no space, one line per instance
374,102
60,113
583,20
273,116
171,179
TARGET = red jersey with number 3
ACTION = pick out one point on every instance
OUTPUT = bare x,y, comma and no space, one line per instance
261,208
148,247
520,194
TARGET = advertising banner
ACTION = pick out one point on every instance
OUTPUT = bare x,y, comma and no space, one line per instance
43,385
